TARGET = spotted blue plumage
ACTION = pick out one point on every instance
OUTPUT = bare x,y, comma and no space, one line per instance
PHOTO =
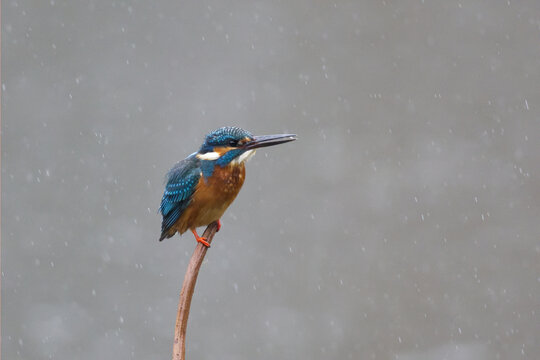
182,180
222,137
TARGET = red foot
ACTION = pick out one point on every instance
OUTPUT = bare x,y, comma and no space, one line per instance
200,239
218,225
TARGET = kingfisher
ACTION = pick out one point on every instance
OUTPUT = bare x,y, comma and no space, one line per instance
202,186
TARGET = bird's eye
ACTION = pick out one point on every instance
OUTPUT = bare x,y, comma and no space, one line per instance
233,142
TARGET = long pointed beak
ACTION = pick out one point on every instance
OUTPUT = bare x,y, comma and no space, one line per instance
269,140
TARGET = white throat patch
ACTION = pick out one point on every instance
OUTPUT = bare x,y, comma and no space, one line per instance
244,157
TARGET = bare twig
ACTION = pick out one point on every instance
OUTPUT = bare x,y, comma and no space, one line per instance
179,347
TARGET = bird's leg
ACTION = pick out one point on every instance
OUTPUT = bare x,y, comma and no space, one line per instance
200,239
218,225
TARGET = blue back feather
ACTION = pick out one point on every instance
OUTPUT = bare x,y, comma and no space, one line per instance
182,180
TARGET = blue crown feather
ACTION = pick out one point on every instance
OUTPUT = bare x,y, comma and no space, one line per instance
222,137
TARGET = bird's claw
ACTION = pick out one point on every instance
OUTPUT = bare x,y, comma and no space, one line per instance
200,239
203,241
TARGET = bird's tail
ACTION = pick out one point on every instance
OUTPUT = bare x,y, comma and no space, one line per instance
166,234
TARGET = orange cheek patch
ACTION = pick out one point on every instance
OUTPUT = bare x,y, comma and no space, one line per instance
222,150
244,141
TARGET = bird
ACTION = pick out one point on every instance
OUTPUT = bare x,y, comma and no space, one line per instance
201,187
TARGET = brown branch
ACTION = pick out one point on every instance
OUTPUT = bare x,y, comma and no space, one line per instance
179,347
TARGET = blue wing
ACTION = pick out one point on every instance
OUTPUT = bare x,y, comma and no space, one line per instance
181,182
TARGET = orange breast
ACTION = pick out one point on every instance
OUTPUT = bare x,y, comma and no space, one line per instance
212,197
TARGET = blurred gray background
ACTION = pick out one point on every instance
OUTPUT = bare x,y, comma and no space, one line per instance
403,224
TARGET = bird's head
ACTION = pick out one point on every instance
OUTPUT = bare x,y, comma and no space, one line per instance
234,145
